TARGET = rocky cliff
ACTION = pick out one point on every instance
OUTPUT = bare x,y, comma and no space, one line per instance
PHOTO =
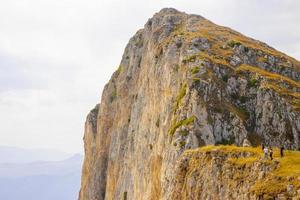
185,82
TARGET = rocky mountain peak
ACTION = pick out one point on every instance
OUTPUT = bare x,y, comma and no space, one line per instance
185,82
169,11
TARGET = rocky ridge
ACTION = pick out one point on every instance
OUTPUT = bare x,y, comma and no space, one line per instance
185,82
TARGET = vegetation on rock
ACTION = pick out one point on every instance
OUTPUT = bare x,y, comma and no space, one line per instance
180,123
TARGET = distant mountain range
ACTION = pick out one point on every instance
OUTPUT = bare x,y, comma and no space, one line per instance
30,175
20,155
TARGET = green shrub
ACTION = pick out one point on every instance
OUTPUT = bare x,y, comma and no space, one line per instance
181,94
218,109
252,82
243,99
182,144
196,80
189,59
244,111
184,133
184,122
232,43
235,96
113,95
225,78
119,70
195,70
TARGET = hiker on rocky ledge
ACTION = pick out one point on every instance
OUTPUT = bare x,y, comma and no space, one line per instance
266,153
271,153
281,151
262,146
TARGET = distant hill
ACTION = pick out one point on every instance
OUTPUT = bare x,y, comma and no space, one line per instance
39,180
49,168
20,155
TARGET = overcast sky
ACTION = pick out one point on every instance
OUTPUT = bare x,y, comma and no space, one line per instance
56,56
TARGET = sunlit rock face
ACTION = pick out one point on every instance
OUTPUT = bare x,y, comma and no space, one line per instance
185,82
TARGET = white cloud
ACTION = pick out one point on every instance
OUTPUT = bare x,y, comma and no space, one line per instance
56,55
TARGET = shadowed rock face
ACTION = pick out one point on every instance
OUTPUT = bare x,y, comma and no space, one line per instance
185,82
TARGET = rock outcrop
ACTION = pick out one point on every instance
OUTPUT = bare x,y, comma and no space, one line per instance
185,82
228,172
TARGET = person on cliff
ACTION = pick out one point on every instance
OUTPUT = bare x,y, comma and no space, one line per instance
271,154
266,153
262,146
281,151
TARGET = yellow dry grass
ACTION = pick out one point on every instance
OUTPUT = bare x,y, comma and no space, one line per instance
269,75
287,171
218,36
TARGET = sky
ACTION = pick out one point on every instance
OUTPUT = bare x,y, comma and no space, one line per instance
56,56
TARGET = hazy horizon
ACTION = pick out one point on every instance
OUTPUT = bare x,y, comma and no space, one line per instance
56,56
12,153
39,174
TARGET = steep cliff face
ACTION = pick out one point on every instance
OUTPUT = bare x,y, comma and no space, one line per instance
185,82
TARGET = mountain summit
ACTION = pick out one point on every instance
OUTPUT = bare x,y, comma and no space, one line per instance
183,83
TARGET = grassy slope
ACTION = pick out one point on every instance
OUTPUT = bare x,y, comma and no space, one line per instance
287,172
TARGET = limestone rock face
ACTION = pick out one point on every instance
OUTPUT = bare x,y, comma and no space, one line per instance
185,82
